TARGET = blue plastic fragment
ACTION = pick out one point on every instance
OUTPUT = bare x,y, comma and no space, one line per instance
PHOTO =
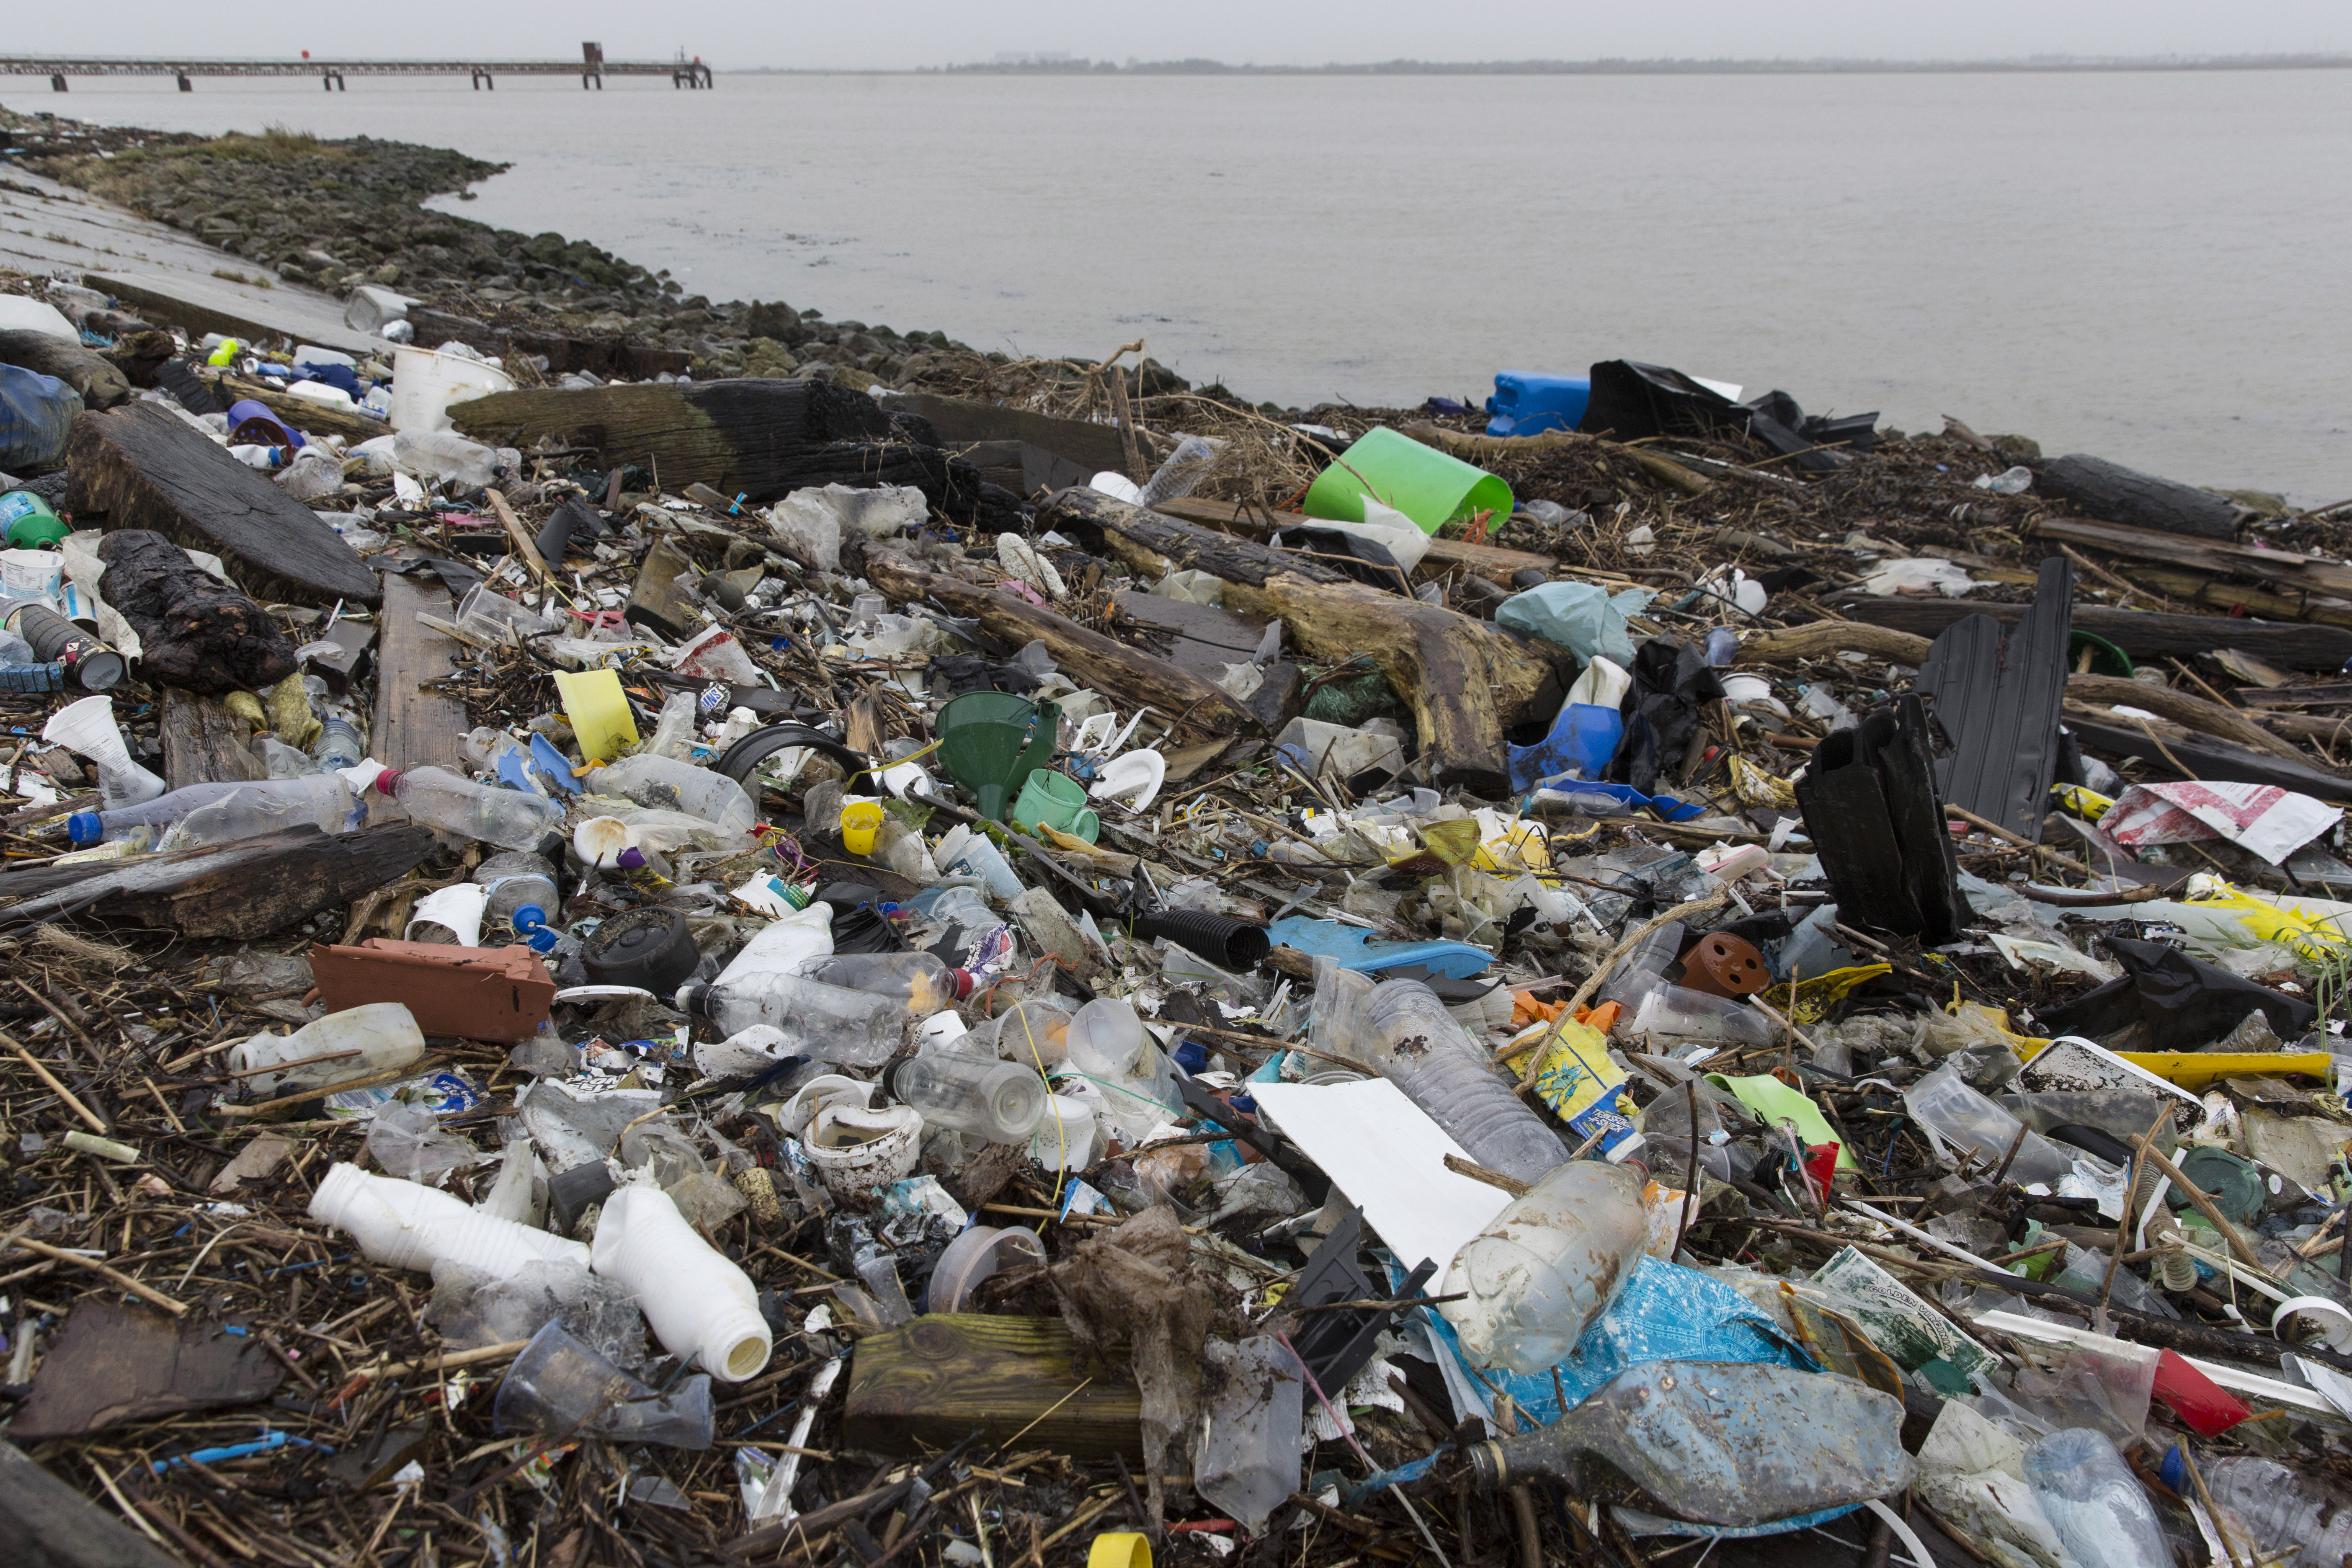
1351,947
552,765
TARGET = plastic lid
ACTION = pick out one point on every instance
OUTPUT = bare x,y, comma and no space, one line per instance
694,997
963,979
541,939
890,1071
85,827
527,916
386,781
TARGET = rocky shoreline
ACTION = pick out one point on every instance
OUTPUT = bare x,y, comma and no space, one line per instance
336,215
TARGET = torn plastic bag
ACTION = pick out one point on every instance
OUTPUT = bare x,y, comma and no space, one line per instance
1661,712
1582,617
2185,1002
1368,561
35,412
1776,421
1872,810
1631,401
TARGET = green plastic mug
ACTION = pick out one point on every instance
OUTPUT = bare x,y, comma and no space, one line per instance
1428,486
1059,802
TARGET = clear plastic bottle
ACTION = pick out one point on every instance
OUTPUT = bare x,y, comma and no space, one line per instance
922,983
444,455
340,744
485,745
673,732
251,810
517,881
284,762
146,823
665,783
1546,1267
999,1100
2280,1506
1108,1045
1416,1045
380,1037
828,1022
438,798
2094,1502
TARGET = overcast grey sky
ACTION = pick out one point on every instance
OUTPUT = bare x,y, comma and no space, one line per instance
903,33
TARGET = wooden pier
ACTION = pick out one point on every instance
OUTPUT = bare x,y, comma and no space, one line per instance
592,67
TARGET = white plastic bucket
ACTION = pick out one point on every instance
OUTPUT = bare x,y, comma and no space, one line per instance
426,381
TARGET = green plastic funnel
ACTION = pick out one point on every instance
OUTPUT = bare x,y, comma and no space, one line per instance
1428,486
990,742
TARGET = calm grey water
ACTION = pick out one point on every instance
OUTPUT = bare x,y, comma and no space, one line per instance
2154,267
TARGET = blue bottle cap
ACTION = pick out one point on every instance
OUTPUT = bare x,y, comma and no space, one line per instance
528,916
84,827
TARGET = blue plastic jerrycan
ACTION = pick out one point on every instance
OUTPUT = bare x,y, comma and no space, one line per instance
1526,402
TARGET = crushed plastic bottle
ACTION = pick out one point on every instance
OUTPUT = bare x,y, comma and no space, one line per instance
522,891
438,798
2094,1502
663,784
922,983
380,1037
2280,1507
1416,1043
1546,1267
261,807
829,1023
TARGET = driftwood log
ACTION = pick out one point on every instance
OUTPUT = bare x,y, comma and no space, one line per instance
142,467
194,629
1466,681
2084,691
1472,447
237,891
2143,634
1130,677
101,384
2117,494
757,438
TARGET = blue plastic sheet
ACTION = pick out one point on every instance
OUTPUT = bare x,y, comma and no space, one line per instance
1351,947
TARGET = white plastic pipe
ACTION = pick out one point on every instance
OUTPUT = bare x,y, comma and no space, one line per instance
404,1224
697,1302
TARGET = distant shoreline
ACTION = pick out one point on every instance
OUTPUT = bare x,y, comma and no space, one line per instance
2045,66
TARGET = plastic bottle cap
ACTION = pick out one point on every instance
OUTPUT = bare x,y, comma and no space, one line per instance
890,1072
541,939
386,781
528,916
85,827
694,997
963,979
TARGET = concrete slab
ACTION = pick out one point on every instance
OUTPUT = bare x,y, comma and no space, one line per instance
162,274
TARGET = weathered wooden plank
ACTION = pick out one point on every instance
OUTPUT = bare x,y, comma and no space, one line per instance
48,1524
924,1387
959,420
203,743
2137,632
1465,681
2285,569
1485,560
142,467
415,728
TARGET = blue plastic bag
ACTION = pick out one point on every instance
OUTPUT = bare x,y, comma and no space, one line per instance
35,412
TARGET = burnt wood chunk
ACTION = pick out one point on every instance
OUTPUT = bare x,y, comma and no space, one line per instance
194,630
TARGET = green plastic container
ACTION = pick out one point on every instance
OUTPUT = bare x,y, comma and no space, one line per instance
1425,484
27,522
990,742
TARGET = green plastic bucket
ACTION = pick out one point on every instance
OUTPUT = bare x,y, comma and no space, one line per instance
1428,486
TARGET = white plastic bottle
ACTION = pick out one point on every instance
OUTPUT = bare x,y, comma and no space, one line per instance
438,798
1417,1044
249,811
699,1303
1546,1267
381,1036
666,784
999,1100
403,1225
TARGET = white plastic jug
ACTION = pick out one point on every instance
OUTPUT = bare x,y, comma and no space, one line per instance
426,381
